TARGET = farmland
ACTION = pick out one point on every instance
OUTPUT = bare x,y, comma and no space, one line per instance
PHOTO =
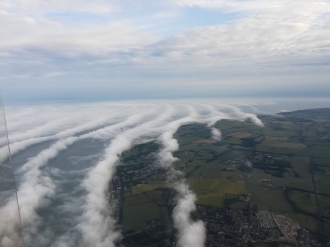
282,168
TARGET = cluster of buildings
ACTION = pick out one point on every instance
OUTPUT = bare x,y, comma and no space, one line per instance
144,170
287,226
130,175
250,227
266,219
161,236
224,226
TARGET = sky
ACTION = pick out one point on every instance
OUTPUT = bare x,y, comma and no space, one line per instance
144,49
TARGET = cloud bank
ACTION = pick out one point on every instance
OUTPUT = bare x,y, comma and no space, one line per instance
121,129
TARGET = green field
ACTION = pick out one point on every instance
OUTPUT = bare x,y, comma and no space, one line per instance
285,153
212,191
135,217
321,151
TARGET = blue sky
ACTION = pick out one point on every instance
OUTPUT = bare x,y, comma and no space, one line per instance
164,49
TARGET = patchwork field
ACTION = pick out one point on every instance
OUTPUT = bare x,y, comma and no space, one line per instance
283,168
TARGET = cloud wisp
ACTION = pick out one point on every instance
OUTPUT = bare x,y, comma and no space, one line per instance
35,189
190,233
61,125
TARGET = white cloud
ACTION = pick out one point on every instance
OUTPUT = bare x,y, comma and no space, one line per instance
230,5
261,41
216,134
30,33
40,6
291,30
278,28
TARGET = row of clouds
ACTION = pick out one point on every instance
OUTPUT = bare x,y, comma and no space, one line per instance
124,125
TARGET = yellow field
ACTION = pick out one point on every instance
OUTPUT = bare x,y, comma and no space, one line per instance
212,191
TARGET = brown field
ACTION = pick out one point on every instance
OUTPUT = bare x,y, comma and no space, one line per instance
272,139
284,145
241,134
208,141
